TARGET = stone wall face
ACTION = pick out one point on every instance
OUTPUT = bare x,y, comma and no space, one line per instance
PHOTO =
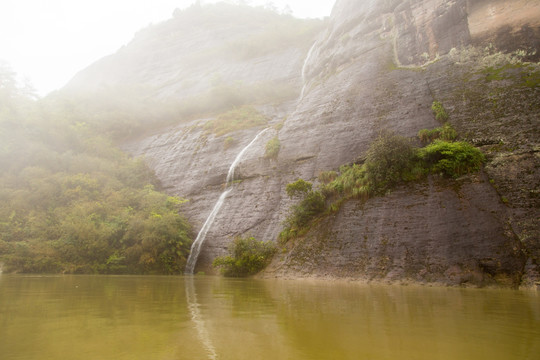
379,65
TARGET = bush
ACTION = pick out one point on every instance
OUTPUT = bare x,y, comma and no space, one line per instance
389,161
298,188
272,148
451,158
247,256
439,111
326,177
312,205
445,132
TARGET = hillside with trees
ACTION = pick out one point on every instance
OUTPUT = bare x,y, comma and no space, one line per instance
71,202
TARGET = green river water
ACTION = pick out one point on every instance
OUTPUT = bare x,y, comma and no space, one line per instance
203,317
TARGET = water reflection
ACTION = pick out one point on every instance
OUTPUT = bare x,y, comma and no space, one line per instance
212,318
196,317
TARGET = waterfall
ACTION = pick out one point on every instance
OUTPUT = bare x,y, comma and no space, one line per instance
304,70
197,244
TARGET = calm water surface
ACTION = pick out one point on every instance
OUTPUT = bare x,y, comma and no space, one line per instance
131,317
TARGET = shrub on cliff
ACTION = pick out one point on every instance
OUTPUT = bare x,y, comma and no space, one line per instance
298,188
445,132
390,160
451,159
272,148
439,111
247,256
313,203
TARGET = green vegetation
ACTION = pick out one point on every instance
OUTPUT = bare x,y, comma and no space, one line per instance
326,177
445,132
532,79
451,159
272,148
496,73
312,204
241,118
70,202
390,161
247,256
439,111
299,188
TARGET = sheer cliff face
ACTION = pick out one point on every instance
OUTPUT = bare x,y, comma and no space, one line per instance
379,65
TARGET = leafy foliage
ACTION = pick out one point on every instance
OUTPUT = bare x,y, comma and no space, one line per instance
71,202
452,159
390,160
247,256
298,188
351,182
439,111
313,203
326,177
445,132
272,148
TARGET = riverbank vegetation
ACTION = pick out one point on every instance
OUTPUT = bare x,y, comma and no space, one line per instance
390,160
71,202
247,256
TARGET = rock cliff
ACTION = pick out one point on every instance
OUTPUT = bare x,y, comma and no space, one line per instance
378,65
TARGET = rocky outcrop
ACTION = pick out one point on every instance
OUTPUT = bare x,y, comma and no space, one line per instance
379,65
421,233
374,70
507,24
205,49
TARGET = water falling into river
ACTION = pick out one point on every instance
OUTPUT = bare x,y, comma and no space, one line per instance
197,244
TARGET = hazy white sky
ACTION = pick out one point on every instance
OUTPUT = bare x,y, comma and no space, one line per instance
48,41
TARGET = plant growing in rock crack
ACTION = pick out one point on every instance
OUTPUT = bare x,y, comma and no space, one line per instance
439,111
312,204
451,159
272,148
445,132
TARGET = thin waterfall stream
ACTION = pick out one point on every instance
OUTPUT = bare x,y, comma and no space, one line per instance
304,66
197,244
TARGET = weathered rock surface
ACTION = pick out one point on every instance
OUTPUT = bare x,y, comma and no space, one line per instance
360,81
422,233
379,65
